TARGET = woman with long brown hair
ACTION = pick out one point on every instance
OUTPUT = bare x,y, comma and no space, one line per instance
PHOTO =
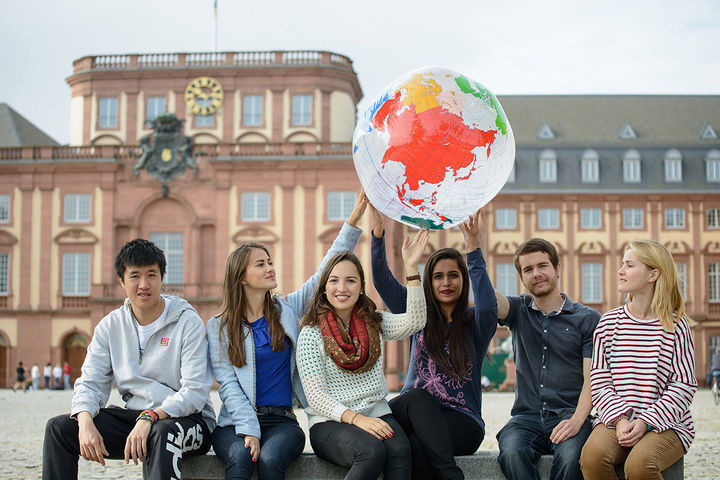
340,360
252,347
440,406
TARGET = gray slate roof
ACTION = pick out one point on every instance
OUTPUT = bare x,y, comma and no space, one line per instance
595,120
17,131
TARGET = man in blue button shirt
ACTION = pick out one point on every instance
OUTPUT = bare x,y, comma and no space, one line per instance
552,341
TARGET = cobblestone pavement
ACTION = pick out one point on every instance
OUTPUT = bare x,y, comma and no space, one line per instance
23,417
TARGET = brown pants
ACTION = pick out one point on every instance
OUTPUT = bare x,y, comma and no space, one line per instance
652,454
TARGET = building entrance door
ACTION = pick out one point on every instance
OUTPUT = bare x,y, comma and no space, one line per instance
74,352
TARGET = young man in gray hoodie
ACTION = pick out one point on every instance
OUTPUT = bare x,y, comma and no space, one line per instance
154,348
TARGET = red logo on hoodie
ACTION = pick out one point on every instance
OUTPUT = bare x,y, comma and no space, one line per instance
164,342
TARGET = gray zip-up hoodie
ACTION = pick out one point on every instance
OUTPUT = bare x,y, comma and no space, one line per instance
172,373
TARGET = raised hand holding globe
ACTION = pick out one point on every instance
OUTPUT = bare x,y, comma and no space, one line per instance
433,148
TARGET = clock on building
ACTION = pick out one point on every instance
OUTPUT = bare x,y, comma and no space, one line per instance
204,95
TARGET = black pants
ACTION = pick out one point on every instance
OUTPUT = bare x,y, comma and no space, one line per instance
168,442
436,434
366,456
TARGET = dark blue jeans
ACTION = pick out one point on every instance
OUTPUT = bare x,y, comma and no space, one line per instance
281,442
527,436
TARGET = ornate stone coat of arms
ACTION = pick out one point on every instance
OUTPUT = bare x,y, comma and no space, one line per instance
166,152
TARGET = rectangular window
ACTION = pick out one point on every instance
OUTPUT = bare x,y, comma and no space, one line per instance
505,218
205,120
77,208
302,109
590,218
590,170
4,208
4,274
714,282
592,283
713,217
682,277
674,218
632,218
154,106
340,204
107,113
506,279
713,170
76,275
255,206
548,170
631,170
252,110
548,218
172,246
673,170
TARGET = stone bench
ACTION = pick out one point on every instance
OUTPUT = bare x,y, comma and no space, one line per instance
482,465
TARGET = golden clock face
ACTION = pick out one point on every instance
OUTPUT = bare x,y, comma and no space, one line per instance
204,95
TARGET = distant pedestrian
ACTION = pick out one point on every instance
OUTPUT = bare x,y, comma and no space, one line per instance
35,375
57,373
66,370
47,371
20,381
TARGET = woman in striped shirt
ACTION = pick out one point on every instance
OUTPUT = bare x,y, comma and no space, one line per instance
643,372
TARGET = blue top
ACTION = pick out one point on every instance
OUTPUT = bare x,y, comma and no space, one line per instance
465,394
274,383
548,353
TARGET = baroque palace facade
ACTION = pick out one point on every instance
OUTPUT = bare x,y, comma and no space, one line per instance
272,134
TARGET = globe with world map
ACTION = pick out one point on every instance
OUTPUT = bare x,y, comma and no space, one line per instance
433,148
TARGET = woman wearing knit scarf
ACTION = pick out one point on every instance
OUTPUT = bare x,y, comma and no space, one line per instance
252,353
340,358
440,406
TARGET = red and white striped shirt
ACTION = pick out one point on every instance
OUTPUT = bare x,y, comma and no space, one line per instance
642,371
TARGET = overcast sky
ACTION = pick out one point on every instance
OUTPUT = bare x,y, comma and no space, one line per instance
512,47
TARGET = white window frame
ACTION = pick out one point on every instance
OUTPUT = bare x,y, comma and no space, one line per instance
154,106
252,110
675,217
77,208
590,167
630,217
108,112
173,246
712,166
302,109
255,206
592,282
76,275
4,208
506,218
590,218
4,274
548,218
673,166
340,204
548,167
713,280
681,269
632,169
506,279
713,218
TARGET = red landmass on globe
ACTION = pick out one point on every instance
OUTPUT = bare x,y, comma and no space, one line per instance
424,135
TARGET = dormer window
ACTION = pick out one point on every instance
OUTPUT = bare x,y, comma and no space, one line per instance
627,133
545,133
548,166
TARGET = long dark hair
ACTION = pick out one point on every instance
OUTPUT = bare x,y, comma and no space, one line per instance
235,304
365,307
437,331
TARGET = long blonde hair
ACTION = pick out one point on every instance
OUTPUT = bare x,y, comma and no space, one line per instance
235,304
667,301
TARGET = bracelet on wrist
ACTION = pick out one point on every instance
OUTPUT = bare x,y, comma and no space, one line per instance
148,415
352,418
410,278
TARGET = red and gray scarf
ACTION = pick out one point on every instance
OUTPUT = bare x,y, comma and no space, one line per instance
355,348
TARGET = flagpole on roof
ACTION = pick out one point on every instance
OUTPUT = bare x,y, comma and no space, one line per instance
216,24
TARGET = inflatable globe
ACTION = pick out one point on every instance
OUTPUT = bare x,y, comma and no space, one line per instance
432,148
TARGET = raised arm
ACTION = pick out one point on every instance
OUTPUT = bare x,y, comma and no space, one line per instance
392,292
346,240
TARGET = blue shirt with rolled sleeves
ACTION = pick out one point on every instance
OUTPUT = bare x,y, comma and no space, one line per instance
548,353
